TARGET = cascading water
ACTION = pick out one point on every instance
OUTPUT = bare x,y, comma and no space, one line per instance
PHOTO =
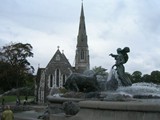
136,90
112,82
148,90
113,73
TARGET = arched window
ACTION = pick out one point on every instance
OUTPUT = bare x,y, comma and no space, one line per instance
82,54
64,77
51,80
57,77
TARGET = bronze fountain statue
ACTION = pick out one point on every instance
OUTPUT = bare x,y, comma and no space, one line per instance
117,76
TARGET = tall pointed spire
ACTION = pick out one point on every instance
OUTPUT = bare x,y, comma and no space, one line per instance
82,37
82,52
82,11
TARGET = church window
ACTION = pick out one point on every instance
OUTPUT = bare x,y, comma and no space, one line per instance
58,57
64,77
82,54
57,77
51,80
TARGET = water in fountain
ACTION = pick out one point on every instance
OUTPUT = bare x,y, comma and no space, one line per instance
112,82
113,73
142,90
114,88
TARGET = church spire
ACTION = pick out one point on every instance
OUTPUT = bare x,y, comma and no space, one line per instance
82,52
82,37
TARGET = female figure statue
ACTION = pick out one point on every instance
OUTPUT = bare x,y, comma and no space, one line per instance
121,58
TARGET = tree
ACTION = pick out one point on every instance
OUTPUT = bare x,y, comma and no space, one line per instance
129,76
146,78
136,76
100,71
155,76
5,76
14,57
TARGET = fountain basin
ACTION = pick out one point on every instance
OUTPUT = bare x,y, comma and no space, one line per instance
60,100
118,105
102,110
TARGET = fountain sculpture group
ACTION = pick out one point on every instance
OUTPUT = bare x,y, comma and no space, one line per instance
82,83
94,103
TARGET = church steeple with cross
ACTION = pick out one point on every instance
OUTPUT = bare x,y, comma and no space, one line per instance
55,74
82,52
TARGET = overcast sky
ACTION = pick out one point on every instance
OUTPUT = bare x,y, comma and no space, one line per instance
110,24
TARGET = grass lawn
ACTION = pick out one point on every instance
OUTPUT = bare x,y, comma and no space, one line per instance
13,98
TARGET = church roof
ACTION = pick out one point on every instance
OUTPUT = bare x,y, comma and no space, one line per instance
59,61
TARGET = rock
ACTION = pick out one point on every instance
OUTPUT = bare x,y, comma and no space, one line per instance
70,108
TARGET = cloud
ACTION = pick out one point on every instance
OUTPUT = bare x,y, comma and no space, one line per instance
110,25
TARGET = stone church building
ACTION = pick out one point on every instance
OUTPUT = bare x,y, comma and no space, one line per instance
59,68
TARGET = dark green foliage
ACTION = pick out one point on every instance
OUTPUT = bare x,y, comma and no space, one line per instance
129,76
154,77
100,71
146,78
15,69
136,77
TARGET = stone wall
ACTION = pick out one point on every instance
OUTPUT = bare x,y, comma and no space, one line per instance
104,110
